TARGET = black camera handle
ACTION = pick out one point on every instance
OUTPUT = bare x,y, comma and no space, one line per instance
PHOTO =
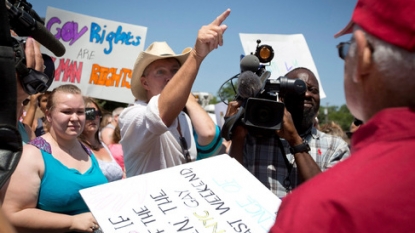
10,139
230,122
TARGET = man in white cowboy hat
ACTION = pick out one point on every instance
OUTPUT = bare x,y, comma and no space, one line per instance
373,190
155,132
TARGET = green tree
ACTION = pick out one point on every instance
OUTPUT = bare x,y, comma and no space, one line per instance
214,100
109,106
340,115
227,92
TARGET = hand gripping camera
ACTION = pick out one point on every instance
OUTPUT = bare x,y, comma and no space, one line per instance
261,111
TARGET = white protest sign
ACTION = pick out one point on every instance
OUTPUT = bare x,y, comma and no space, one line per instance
100,54
211,195
220,111
291,51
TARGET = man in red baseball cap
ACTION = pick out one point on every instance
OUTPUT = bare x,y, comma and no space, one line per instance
374,189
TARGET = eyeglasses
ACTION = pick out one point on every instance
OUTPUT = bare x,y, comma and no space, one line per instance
91,114
343,48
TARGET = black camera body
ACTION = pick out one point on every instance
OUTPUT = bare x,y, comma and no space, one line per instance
264,112
261,111
32,80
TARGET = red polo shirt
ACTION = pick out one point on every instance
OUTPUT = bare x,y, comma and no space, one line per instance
371,191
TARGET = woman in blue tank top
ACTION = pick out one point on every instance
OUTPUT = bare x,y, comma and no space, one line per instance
43,192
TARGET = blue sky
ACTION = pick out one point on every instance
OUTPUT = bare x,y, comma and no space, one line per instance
177,22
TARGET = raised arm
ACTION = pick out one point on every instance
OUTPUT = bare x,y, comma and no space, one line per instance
175,94
30,118
35,61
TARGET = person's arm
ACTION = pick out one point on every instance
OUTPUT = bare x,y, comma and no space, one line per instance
35,61
29,118
239,133
307,167
202,123
237,144
20,197
5,226
175,94
29,132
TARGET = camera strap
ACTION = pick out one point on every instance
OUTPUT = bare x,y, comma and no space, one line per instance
183,144
287,182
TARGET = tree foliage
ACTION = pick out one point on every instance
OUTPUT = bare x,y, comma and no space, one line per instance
340,115
109,106
227,92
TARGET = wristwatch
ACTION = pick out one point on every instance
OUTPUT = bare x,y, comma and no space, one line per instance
303,147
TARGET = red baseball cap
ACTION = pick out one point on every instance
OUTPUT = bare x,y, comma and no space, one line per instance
390,20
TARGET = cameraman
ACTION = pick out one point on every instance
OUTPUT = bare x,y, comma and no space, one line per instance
269,158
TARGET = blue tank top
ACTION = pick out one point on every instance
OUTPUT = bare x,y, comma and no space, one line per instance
60,185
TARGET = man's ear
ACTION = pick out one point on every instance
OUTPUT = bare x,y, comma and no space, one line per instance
363,54
143,81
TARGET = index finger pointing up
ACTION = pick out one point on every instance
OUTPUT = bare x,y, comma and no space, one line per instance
219,20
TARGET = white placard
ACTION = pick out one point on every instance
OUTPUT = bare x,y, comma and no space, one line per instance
100,54
210,195
291,51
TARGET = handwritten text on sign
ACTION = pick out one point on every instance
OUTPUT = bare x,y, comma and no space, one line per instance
211,195
100,53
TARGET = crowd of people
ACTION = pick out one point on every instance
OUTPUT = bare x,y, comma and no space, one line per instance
328,180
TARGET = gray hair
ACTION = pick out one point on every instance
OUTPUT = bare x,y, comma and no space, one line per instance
396,64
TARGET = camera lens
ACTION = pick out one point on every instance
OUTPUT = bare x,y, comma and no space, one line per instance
264,113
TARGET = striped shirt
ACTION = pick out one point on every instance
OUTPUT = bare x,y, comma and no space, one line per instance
264,159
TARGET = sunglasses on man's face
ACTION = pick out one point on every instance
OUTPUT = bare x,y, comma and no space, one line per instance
91,114
343,48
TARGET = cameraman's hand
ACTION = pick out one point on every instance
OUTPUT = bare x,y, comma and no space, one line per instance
34,58
233,108
288,130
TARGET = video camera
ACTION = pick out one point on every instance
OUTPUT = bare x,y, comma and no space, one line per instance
25,22
31,80
18,15
261,111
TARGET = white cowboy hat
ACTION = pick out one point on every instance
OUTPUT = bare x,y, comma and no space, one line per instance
156,51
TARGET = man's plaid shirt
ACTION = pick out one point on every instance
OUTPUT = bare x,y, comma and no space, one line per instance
264,159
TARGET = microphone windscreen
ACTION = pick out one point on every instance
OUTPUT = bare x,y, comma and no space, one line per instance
249,62
44,37
249,84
